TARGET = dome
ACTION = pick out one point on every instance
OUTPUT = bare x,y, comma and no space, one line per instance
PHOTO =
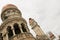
12,8
8,6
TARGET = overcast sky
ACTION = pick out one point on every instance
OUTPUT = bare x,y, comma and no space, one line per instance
45,12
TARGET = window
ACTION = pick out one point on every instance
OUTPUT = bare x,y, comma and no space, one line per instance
10,32
23,28
16,28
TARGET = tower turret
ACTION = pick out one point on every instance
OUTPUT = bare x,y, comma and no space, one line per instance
10,11
35,27
40,35
14,26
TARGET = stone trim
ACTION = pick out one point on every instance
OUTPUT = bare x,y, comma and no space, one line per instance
10,20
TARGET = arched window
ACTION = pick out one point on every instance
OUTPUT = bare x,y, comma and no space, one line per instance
16,28
10,32
23,28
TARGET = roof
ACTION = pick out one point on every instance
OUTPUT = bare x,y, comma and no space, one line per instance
8,6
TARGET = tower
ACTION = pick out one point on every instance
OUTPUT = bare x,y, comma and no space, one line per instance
14,26
40,35
35,27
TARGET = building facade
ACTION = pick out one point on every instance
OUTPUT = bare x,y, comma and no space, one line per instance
14,26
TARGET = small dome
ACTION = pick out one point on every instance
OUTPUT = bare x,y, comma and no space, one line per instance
8,6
